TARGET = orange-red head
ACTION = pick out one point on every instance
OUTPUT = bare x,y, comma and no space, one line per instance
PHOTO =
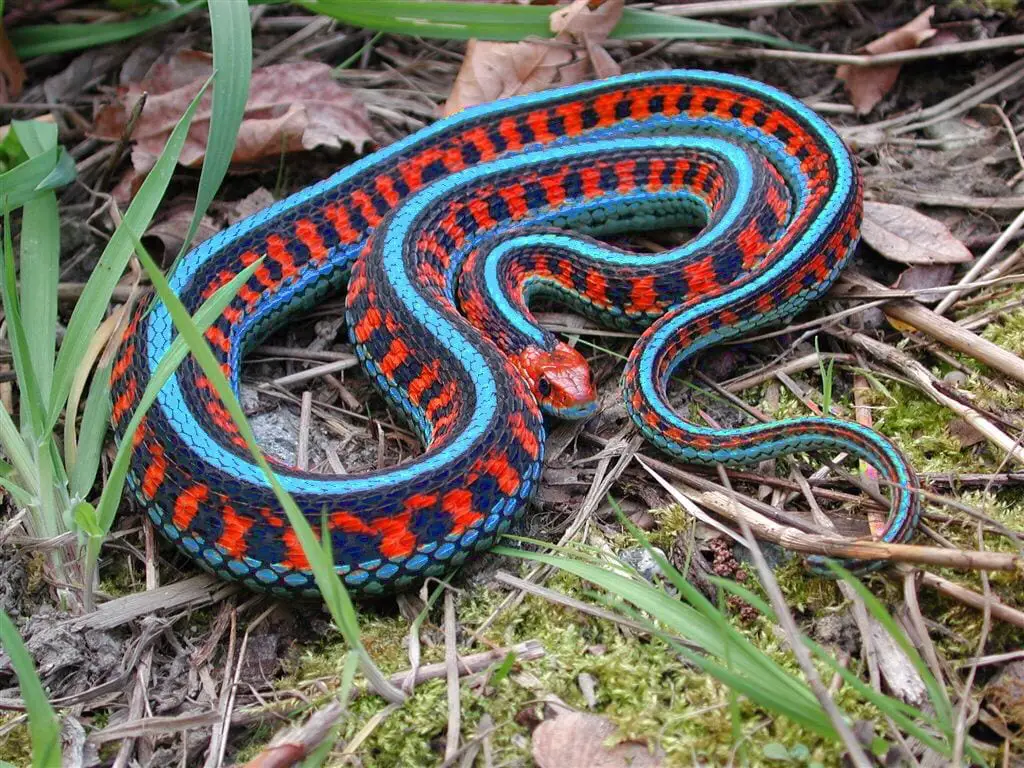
560,380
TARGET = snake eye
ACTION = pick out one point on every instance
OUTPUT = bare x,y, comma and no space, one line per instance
544,387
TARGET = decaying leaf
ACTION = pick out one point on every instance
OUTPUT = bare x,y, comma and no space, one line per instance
578,740
165,238
12,74
1005,694
291,107
902,234
255,201
921,277
867,86
590,23
965,433
492,71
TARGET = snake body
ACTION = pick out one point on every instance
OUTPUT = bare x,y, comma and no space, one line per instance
443,238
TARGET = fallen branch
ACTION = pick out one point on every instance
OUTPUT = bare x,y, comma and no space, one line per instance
942,329
922,378
839,547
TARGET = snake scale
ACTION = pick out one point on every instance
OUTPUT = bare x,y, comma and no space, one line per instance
443,239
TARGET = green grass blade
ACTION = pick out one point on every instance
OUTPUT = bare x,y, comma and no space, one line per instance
648,25
695,598
756,678
40,273
91,437
486,21
36,137
35,163
712,634
18,453
7,472
44,730
232,62
20,496
32,413
909,717
43,39
96,297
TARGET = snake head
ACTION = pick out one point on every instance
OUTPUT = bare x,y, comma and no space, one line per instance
560,380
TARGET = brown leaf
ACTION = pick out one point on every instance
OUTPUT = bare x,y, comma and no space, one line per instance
165,238
12,74
965,433
577,740
492,71
920,277
1005,694
291,107
867,86
902,234
583,18
255,201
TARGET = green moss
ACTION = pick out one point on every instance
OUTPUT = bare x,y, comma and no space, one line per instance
256,740
920,426
15,744
641,685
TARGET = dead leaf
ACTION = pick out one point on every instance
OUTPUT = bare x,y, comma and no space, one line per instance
903,235
255,201
583,18
921,277
1005,694
292,107
577,740
965,433
867,86
492,71
165,238
12,74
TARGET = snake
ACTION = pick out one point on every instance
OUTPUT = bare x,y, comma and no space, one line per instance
442,241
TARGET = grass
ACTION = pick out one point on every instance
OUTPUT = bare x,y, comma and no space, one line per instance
688,620
43,39
437,19
488,21
44,729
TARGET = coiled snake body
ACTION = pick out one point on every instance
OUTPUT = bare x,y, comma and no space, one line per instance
443,238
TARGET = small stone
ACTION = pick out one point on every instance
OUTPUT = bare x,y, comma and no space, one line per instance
955,378
641,560
588,687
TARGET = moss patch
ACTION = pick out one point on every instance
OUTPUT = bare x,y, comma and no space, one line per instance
15,744
640,684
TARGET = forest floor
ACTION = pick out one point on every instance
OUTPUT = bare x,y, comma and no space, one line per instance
178,669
